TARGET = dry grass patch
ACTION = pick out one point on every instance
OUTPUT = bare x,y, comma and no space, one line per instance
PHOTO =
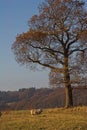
50,119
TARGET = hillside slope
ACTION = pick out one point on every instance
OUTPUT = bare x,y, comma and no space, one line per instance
40,98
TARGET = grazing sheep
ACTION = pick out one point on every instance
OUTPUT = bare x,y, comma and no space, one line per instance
36,111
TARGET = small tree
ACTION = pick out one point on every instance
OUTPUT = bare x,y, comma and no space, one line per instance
55,35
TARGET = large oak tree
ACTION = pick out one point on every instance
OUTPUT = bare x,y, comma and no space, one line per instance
54,37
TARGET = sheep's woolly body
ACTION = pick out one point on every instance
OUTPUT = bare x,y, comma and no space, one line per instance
35,111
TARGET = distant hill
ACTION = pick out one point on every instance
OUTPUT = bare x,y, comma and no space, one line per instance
40,98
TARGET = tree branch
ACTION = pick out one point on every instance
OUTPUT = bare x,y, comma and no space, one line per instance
51,51
72,51
59,70
73,41
47,49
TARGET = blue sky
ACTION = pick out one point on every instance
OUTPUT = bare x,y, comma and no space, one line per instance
14,16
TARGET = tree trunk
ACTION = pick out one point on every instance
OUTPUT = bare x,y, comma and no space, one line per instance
67,83
69,98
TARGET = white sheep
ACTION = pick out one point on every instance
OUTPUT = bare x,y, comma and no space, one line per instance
35,111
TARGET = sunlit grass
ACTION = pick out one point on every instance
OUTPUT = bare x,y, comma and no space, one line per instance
50,119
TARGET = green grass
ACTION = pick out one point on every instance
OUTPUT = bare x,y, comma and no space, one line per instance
50,119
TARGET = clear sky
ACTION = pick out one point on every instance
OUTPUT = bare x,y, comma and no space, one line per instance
14,16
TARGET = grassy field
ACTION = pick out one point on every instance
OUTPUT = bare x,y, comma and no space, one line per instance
50,119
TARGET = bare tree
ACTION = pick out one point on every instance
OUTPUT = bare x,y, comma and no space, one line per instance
55,35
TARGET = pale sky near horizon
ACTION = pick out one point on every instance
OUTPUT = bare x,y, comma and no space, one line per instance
14,16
